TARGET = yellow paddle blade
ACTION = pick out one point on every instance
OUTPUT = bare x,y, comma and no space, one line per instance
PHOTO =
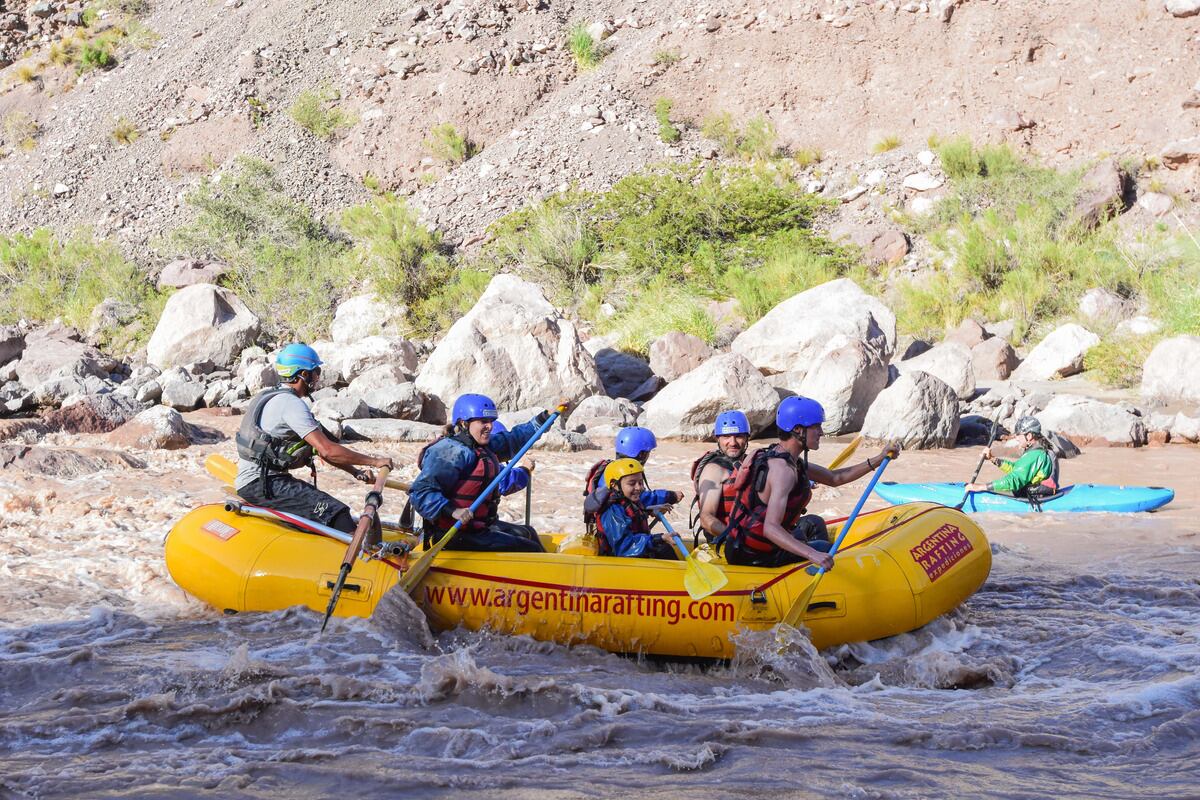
845,454
221,468
795,614
701,579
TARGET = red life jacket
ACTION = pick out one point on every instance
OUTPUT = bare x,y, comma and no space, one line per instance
469,487
595,476
728,495
746,517
638,523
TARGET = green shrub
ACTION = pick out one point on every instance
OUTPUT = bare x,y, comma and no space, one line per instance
885,144
313,112
807,157
392,249
1117,361
97,54
667,131
43,277
584,49
449,300
788,269
27,72
285,264
757,140
554,243
959,159
446,144
665,58
20,130
125,132
141,35
655,309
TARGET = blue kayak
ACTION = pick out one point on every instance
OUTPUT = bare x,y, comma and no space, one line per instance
1078,497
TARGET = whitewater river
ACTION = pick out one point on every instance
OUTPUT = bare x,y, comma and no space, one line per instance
1074,672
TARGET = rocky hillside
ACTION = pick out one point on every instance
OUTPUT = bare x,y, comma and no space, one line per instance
116,141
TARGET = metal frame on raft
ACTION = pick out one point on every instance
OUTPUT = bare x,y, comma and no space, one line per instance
386,550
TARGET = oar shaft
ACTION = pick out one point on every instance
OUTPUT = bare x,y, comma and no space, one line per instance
979,464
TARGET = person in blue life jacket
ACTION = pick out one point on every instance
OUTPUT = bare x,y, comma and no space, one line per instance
455,470
632,442
279,434
518,477
618,513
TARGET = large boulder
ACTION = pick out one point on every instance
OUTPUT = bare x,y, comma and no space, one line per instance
603,416
687,407
674,354
993,359
398,401
190,271
1172,371
1181,153
51,349
846,377
1102,194
79,377
1185,428
950,362
390,430
1183,8
621,373
93,413
918,411
794,333
202,323
968,333
365,315
374,351
557,437
1058,355
158,428
513,346
1084,420
181,393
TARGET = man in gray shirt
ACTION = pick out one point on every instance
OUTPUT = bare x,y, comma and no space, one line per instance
279,434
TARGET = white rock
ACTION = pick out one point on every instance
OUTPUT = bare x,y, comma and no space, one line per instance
374,351
926,158
400,401
1084,420
1185,428
922,182
950,362
675,354
515,347
845,379
1102,305
602,412
921,205
158,428
795,332
390,430
1058,355
918,411
875,177
1156,203
202,322
366,315
687,407
1172,370
1138,326
1183,8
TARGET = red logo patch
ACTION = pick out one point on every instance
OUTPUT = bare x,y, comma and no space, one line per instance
941,550
219,529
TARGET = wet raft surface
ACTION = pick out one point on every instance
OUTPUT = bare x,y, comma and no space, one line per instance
1074,672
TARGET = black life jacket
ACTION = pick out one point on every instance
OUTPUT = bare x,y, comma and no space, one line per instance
749,511
637,516
271,453
727,492
470,487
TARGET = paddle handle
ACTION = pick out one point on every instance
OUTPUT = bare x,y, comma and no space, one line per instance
374,501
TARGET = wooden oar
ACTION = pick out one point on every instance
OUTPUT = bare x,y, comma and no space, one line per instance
365,520
416,573
225,470
796,613
845,454
991,438
700,578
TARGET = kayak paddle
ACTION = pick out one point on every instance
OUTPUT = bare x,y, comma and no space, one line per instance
991,438
796,613
699,577
416,573
365,520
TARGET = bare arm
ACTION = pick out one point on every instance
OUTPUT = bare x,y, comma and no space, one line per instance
709,486
341,457
781,479
838,477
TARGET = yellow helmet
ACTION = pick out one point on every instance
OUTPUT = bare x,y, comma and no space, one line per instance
620,468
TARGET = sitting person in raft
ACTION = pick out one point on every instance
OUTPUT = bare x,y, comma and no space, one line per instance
1034,475
457,468
617,512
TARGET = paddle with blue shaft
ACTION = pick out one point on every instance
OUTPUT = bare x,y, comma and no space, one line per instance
416,573
365,522
699,578
796,613
991,438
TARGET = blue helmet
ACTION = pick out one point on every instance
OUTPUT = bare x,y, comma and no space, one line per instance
498,427
473,406
730,423
296,357
632,442
798,412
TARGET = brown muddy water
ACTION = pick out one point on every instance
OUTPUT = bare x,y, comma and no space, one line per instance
1074,672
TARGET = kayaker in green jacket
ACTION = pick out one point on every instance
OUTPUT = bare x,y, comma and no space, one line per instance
1034,473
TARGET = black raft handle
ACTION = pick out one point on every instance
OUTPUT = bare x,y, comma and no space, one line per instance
351,587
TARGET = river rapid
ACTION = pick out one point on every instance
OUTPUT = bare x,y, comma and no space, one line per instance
1074,672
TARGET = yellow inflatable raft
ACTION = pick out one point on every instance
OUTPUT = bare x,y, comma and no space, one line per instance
898,569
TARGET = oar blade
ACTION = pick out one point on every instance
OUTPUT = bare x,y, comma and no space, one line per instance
702,579
800,607
221,468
